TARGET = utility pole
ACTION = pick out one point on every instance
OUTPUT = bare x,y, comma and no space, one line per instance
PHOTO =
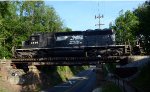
99,18
99,22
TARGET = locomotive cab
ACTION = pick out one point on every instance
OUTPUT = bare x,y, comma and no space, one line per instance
32,42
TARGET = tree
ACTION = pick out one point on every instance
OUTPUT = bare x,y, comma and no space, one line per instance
134,26
143,13
125,25
66,29
19,19
4,8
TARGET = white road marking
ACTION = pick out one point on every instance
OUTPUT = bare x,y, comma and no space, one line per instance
61,86
76,77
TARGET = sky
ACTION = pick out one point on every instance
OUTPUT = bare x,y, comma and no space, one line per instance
80,15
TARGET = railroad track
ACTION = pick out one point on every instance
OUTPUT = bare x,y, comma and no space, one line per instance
72,60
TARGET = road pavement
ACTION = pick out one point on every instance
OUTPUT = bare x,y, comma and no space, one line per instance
85,81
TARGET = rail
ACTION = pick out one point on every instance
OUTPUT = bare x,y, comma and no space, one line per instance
71,60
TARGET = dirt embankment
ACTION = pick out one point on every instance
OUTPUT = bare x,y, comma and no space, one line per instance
44,78
6,86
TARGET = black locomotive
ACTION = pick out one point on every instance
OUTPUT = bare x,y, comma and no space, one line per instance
89,43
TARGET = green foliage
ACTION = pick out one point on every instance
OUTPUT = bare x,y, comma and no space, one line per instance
4,8
19,19
76,69
4,53
64,72
143,13
3,90
111,67
142,82
110,87
67,29
133,26
124,26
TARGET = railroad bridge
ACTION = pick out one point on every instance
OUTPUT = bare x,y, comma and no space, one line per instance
63,61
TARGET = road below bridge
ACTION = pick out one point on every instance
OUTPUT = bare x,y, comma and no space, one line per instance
85,81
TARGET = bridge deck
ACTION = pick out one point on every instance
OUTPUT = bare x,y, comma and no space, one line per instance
71,60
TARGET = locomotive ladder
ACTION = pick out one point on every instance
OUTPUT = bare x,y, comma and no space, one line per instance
61,61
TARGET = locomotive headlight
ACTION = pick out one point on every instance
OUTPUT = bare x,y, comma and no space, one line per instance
35,42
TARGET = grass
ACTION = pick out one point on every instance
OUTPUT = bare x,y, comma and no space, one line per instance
142,82
2,90
76,69
4,87
110,87
64,72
